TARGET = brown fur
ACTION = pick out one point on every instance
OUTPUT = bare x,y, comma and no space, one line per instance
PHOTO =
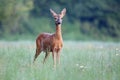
51,42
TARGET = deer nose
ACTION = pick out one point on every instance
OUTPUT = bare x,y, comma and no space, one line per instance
59,21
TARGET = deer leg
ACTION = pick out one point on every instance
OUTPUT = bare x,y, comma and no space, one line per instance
38,51
46,56
58,58
54,59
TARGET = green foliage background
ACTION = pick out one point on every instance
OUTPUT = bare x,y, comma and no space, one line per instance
85,19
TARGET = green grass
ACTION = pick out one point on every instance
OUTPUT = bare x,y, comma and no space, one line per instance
79,61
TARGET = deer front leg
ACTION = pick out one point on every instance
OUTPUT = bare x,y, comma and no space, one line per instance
54,58
58,57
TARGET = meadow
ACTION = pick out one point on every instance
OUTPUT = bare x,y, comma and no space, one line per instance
79,61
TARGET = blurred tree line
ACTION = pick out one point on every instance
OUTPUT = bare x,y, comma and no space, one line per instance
85,19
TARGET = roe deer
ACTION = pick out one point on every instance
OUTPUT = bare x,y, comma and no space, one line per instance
51,42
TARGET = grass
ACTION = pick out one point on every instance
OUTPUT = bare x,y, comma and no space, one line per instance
79,61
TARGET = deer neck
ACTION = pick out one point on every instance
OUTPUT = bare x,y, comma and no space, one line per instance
58,33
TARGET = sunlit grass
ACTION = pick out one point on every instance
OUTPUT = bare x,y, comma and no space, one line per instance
79,61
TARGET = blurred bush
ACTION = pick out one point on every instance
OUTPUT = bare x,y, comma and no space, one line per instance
85,19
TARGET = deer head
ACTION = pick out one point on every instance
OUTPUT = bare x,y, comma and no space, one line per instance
58,17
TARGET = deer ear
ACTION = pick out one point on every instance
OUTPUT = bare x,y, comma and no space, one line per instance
63,12
53,13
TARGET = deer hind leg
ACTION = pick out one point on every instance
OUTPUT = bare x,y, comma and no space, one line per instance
38,51
46,56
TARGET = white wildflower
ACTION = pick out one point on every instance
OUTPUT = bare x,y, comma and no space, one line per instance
81,66
77,64
117,49
117,54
